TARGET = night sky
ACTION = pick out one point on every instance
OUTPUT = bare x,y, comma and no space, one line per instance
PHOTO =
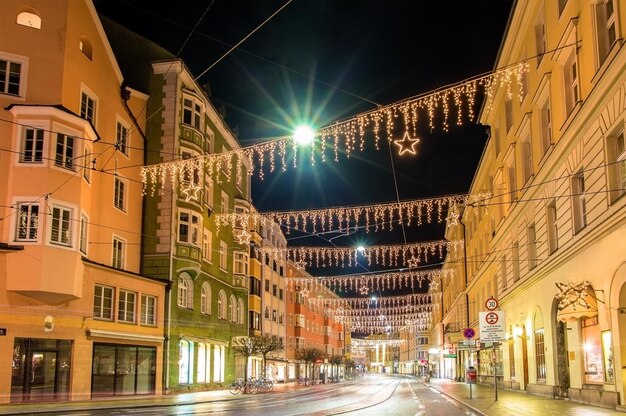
321,61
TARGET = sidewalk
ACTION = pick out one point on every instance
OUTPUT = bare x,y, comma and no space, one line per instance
136,402
512,403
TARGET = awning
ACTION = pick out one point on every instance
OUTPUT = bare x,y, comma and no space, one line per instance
575,303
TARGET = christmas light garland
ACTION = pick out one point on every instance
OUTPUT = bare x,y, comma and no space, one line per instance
414,299
348,135
381,216
373,282
409,255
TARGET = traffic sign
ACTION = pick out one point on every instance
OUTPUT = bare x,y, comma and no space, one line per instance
491,304
491,326
469,333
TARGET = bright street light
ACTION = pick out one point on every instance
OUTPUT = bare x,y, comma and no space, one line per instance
304,135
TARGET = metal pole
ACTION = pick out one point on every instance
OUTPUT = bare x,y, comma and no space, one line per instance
470,353
495,371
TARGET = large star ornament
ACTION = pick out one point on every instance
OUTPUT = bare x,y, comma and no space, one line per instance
407,144
244,237
191,191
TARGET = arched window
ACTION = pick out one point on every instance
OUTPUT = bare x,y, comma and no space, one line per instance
221,305
85,47
232,309
240,312
29,19
185,291
205,299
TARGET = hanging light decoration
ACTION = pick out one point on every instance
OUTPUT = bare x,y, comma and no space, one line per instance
383,255
372,217
371,282
346,136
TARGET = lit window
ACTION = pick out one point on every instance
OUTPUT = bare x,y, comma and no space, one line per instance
27,222
240,312
540,354
185,362
126,306
32,146
29,19
185,291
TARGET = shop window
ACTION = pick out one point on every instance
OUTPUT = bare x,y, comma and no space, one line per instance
204,363
540,355
607,355
218,363
185,362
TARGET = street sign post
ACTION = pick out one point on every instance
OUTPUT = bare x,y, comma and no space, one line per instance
492,325
469,333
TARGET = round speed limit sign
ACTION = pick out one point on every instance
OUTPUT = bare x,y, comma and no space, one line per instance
491,304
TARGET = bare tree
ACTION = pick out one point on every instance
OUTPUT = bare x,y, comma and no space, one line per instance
335,361
309,356
244,347
265,345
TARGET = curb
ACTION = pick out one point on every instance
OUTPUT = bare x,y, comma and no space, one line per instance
453,397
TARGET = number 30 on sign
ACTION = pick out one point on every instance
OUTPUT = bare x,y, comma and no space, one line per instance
491,304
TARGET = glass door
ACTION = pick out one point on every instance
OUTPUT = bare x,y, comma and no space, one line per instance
41,378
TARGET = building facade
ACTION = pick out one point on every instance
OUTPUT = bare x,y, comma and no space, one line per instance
549,247
78,318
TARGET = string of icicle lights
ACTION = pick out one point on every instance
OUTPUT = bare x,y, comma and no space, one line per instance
409,255
393,325
381,216
416,300
344,137
373,282
373,343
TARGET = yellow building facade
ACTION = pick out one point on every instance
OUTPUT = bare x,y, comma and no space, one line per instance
78,319
550,245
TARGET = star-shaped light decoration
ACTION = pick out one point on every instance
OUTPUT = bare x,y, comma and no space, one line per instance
413,262
191,191
304,292
364,290
300,264
244,237
434,284
407,144
453,217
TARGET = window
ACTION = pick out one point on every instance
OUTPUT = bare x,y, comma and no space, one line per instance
204,363
617,165
527,158
185,362
540,354
27,222
267,313
606,28
267,285
29,19
221,305
240,312
208,193
224,203
255,286
546,126
61,226
86,167
188,228
148,310
562,4
192,113
280,294
511,343
103,302
570,78
10,76
207,245
64,154
255,320
274,315
515,261
119,194
532,246
232,309
553,236
126,306
32,145
121,138
241,263
508,113
274,290
84,234
223,256
218,363
205,299
540,38
185,291
118,253
579,205
280,318
503,276
85,47
88,108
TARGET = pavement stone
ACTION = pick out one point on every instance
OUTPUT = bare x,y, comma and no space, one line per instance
509,403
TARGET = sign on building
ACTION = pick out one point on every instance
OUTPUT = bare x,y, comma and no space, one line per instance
492,326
